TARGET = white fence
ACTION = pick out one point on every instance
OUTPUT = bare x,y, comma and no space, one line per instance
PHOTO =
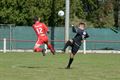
84,51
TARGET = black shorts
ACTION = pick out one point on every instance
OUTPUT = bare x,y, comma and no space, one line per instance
75,48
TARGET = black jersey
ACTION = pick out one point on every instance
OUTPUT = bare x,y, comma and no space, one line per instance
80,35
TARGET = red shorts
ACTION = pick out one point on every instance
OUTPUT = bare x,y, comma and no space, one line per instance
41,40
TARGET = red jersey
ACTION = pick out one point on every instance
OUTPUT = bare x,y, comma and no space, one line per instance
40,28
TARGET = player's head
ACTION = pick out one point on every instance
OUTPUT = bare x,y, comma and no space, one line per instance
36,18
82,25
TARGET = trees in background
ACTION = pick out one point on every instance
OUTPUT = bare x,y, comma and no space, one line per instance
97,13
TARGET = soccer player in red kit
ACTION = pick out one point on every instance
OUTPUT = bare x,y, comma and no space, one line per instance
41,31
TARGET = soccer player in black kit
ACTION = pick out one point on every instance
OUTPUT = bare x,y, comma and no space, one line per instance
76,42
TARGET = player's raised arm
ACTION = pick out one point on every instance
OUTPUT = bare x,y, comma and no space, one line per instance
74,29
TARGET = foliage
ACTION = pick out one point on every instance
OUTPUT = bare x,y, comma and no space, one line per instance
21,12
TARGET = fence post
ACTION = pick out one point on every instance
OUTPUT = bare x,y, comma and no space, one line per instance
10,39
4,45
84,46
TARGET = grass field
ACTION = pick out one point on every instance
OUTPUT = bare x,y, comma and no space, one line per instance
33,66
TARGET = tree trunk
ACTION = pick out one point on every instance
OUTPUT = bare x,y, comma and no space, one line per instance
117,13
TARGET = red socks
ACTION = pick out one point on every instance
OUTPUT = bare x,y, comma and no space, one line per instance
51,48
37,50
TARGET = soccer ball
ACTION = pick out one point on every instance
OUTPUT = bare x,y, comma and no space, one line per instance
61,13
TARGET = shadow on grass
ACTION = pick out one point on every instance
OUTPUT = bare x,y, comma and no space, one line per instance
32,67
42,67
65,68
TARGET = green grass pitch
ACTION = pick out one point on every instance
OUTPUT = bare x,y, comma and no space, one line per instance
34,66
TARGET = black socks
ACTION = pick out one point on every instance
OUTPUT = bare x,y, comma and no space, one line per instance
70,62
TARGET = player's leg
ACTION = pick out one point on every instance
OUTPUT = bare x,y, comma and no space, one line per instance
51,48
70,60
46,41
68,43
37,47
74,50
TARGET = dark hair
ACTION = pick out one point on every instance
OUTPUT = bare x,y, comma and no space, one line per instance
81,23
35,18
